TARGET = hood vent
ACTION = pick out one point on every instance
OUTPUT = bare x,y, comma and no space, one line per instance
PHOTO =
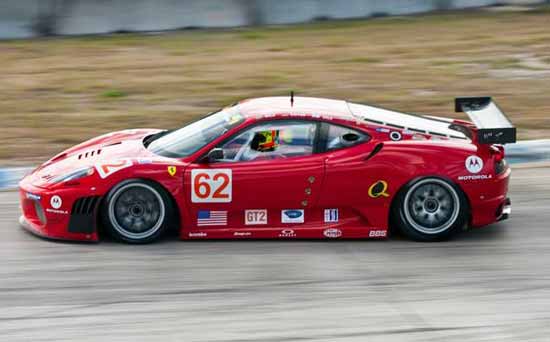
89,154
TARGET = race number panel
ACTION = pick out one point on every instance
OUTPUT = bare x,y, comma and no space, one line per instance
211,185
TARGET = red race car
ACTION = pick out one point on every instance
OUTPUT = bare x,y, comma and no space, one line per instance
280,167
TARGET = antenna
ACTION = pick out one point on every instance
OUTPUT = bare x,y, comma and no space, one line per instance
292,98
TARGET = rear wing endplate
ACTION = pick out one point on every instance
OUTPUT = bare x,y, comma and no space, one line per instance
493,127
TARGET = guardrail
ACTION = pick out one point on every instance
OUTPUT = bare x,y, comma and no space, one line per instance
522,152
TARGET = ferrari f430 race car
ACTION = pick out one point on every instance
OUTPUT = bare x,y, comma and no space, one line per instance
280,167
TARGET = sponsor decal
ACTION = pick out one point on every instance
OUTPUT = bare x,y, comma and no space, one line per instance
474,177
211,186
255,216
144,161
377,233
383,130
242,234
105,170
56,202
212,218
474,164
33,196
172,170
331,215
378,189
332,233
395,136
287,233
418,136
198,234
292,216
57,211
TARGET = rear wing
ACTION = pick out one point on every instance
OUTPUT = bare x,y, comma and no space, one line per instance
491,125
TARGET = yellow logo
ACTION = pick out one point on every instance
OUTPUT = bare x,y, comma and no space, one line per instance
171,170
378,189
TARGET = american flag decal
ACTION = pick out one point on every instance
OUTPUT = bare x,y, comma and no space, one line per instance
212,218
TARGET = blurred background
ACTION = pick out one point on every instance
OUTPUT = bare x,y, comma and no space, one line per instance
73,69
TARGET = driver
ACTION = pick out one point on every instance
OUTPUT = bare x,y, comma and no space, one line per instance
263,142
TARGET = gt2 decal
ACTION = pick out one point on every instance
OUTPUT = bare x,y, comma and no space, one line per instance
211,186
378,189
105,170
255,216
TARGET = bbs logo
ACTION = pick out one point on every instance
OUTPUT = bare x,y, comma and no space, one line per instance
377,233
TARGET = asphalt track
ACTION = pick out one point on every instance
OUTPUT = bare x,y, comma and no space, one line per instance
491,284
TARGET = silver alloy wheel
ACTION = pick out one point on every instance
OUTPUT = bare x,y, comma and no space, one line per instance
431,206
136,211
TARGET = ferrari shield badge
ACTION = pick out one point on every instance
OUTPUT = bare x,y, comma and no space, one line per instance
171,170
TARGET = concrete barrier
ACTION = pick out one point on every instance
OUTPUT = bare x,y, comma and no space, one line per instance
528,151
9,177
29,18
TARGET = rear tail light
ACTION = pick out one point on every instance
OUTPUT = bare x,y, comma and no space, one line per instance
497,151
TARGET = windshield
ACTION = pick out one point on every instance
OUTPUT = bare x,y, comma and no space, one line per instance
191,138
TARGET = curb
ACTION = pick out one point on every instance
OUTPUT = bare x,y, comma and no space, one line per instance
529,151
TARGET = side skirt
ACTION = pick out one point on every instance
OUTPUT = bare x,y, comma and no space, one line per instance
285,233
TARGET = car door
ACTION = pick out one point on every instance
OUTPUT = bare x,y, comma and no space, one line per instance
354,185
269,177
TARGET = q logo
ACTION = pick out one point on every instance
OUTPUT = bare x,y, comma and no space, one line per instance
378,189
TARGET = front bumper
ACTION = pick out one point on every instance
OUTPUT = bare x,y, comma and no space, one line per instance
69,220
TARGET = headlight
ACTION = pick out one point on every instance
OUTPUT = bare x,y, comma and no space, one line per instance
80,173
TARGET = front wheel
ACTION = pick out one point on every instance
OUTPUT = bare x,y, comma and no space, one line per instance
137,211
431,209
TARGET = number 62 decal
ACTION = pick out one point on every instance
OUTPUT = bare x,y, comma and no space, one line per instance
211,186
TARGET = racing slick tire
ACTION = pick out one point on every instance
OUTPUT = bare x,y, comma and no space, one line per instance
137,211
430,209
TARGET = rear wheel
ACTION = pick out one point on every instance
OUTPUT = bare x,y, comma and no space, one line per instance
431,209
137,211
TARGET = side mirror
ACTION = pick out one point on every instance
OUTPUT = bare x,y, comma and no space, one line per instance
214,155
